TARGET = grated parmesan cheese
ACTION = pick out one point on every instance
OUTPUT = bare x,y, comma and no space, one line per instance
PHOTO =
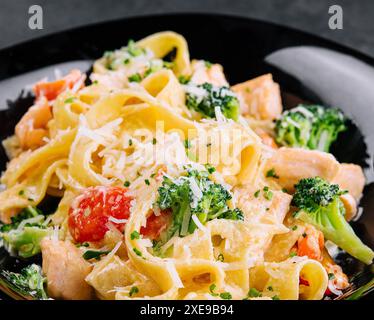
174,274
198,223
115,220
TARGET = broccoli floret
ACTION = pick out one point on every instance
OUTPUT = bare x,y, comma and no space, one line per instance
319,204
26,213
133,49
212,203
29,281
194,194
184,79
175,196
24,240
235,214
205,98
113,59
310,126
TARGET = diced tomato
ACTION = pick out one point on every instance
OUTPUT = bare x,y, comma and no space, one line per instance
52,89
311,244
90,212
156,225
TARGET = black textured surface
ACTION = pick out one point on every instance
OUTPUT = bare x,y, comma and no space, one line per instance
307,15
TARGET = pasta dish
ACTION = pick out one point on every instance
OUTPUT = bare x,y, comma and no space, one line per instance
154,178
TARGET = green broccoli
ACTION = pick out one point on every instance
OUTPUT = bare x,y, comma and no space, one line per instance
310,126
113,59
184,79
205,98
29,281
154,66
177,198
319,204
27,213
23,235
193,194
133,49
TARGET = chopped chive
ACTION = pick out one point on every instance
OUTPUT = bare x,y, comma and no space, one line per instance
127,183
154,141
221,257
147,182
69,100
271,174
187,144
210,168
138,253
212,288
257,193
134,235
254,293
133,290
94,254
136,77
268,195
225,295
183,79
84,244
331,276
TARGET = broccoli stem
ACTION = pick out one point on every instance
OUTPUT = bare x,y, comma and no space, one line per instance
26,242
335,228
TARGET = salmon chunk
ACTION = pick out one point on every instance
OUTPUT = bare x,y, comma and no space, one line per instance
350,177
65,270
204,72
292,164
257,207
261,97
32,128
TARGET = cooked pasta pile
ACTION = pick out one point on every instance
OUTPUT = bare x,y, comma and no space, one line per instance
172,184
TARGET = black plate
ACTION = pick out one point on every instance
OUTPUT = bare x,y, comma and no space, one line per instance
308,68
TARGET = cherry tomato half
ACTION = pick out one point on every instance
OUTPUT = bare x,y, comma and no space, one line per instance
90,212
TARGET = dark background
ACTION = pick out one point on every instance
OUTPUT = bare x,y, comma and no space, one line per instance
307,15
